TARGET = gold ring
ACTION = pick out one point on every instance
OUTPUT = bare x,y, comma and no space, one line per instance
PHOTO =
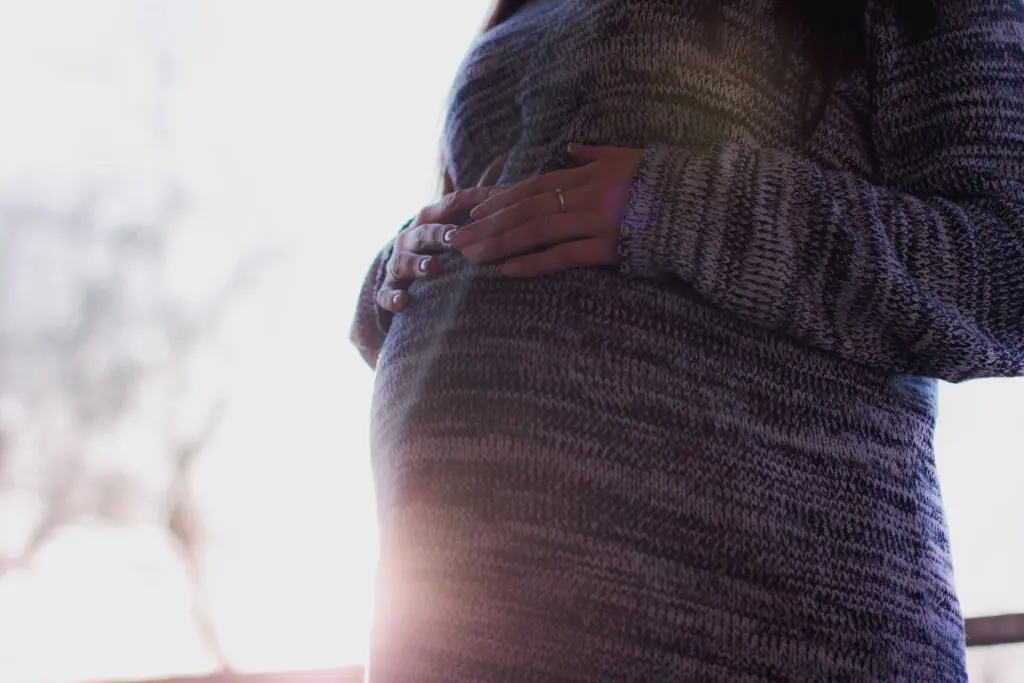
561,199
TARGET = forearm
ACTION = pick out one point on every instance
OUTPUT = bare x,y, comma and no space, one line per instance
901,283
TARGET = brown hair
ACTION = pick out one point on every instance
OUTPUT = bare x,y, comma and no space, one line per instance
829,35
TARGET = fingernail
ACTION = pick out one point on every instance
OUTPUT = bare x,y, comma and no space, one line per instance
497,190
473,251
395,298
511,268
424,264
474,212
447,236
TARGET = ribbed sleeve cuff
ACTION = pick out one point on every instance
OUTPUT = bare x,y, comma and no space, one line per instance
659,232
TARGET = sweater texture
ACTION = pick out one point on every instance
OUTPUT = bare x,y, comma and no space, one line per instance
714,461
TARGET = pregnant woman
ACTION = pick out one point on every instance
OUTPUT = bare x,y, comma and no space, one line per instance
661,408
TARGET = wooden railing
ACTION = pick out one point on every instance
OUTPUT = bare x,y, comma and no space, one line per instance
981,631
348,675
1005,629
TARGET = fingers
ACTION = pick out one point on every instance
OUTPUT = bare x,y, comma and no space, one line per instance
392,299
586,252
403,268
564,179
545,206
455,206
426,238
413,257
533,235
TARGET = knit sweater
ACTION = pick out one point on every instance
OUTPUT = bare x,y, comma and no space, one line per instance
712,462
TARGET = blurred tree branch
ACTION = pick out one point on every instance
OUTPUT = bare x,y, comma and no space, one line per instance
96,346
82,377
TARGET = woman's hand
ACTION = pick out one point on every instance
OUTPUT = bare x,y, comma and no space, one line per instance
565,219
415,247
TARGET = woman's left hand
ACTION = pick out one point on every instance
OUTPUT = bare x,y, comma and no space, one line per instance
564,219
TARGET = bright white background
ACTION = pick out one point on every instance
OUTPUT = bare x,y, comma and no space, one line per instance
310,128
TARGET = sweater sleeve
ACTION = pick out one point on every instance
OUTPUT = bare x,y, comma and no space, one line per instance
919,270
371,323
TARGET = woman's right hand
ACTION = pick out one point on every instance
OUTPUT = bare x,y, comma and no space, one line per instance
415,248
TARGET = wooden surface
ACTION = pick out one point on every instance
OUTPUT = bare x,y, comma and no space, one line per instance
348,675
999,630
981,631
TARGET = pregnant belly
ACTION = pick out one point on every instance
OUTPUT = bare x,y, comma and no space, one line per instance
602,359
585,454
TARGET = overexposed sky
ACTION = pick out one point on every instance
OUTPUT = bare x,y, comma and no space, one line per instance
308,127
295,126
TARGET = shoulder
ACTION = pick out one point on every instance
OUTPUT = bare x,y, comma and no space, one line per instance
964,43
948,93
948,23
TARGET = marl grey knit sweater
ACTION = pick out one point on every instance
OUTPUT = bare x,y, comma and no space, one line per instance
713,463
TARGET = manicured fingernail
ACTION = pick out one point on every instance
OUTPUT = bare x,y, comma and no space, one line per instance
497,190
474,212
447,236
395,298
473,251
424,264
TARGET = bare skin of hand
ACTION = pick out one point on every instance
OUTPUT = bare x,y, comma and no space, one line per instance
416,247
528,225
